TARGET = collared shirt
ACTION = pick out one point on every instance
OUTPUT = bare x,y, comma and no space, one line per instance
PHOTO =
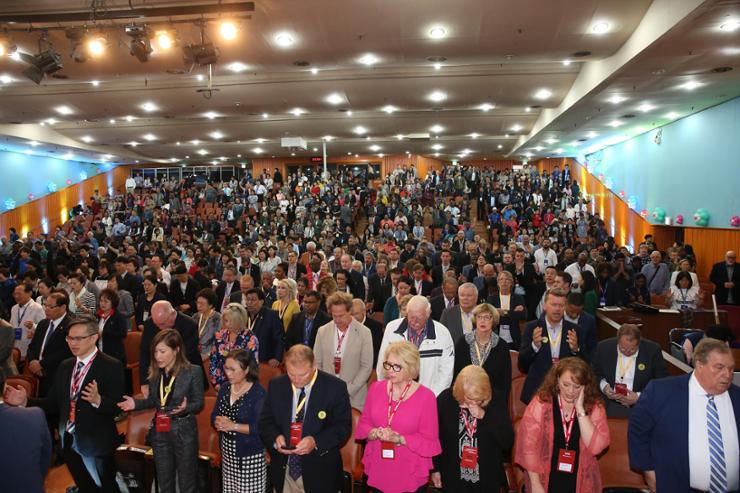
467,321
624,372
297,393
336,346
554,341
730,272
505,301
699,466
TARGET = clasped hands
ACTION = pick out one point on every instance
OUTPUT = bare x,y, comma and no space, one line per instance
385,434
626,400
304,447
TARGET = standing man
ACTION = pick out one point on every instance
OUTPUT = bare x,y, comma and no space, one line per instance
545,257
266,325
459,318
48,347
85,392
359,312
305,325
657,274
726,279
25,316
304,439
182,291
683,431
379,286
295,268
226,287
344,348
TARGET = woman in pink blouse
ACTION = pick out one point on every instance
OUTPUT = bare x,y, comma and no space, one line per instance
400,424
562,431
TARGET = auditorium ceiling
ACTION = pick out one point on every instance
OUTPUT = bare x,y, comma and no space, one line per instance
461,79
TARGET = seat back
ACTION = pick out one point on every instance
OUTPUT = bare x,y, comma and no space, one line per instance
137,426
515,364
733,318
615,464
30,384
207,435
267,373
514,474
132,344
516,406
16,354
676,335
352,451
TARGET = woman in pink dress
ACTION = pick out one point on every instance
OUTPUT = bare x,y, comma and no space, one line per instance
400,424
562,431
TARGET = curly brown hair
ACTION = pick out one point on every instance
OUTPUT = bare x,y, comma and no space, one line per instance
582,374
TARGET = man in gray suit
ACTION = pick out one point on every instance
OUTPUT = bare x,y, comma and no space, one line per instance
344,348
459,318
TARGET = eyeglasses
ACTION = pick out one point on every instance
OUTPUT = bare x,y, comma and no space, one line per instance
78,338
484,316
391,366
52,306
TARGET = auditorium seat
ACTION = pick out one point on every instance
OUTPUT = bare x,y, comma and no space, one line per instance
514,475
515,364
132,344
16,355
131,457
267,373
615,464
352,458
209,451
658,300
733,319
516,406
675,336
30,384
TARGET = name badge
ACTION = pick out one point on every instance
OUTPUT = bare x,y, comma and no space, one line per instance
296,430
337,365
162,423
388,450
72,410
146,316
566,460
555,361
504,331
620,388
18,333
469,459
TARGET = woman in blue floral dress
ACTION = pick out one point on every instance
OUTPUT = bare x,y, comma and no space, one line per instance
234,334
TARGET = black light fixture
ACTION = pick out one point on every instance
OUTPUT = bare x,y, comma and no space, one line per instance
140,46
204,53
45,63
76,36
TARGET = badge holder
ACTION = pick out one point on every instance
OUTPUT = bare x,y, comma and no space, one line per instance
387,450
18,333
162,423
469,459
337,365
296,431
566,460
72,410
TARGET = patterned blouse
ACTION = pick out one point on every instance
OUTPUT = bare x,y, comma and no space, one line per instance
223,346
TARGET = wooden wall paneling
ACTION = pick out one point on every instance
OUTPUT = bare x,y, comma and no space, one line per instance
710,246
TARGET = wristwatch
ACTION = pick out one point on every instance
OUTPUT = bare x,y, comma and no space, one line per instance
582,415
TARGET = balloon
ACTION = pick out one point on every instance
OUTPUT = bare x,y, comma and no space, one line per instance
609,183
644,213
659,215
632,202
701,217
52,187
30,196
69,181
83,176
679,219
601,176
9,204
621,193
735,221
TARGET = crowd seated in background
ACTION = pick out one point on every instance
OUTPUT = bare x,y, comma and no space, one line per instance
462,264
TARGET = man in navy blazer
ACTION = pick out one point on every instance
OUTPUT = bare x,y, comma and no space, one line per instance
27,445
668,428
540,336
574,313
266,325
315,461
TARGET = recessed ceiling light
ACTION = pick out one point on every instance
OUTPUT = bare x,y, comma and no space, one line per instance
436,154
399,136
349,113
64,110
292,154
314,71
237,67
359,130
474,135
389,108
95,83
112,121
216,135
33,143
437,32
368,59
265,115
437,96
600,28
328,138
367,138
552,141
499,146
195,142
672,115
538,148
130,118
335,98
149,107
86,139
211,115
690,85
528,109
506,136
149,137
68,156
437,66
297,111
543,94
615,123
730,26
133,143
357,155
260,140
200,77
315,149
559,150
592,134
731,51
202,152
437,147
178,143
15,56
284,39
375,148
486,107
566,62
6,79
516,128
645,107
616,99
436,128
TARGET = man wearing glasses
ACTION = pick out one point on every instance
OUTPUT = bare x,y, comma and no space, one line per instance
48,348
84,392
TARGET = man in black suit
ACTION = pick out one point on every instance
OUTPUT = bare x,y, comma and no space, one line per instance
182,291
623,366
356,281
85,392
546,341
295,269
27,445
379,286
246,266
447,299
267,287
164,316
421,286
511,310
305,438
726,279
587,322
48,347
359,312
245,284
267,326
304,325
226,287
438,271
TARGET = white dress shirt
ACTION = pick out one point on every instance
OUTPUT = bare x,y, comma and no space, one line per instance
505,301
18,314
555,339
699,467
624,371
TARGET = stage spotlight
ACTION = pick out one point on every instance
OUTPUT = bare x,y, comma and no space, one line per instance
139,46
228,30
96,44
45,63
165,40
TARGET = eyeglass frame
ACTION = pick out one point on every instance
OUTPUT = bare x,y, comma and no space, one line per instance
392,366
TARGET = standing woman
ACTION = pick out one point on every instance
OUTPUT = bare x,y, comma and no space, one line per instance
208,320
235,416
562,431
235,334
179,398
286,305
484,348
113,326
400,424
468,431
81,301
392,308
125,304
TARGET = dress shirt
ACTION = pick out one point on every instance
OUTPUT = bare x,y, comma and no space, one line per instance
336,341
297,392
627,365
449,302
699,467
467,321
54,323
554,340
505,301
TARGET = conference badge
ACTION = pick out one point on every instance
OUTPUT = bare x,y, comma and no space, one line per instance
322,414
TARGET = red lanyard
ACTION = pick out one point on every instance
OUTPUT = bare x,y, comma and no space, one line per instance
567,423
393,410
78,377
340,340
469,428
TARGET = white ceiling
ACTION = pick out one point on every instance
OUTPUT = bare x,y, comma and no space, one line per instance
498,52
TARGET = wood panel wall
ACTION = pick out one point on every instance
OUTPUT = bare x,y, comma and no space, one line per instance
55,207
494,164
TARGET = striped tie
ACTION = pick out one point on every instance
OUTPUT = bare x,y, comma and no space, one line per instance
70,427
718,474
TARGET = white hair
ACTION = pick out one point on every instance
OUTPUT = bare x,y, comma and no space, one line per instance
419,302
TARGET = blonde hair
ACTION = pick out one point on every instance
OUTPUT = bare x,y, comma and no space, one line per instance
486,308
403,304
291,285
299,354
472,382
408,354
237,315
339,298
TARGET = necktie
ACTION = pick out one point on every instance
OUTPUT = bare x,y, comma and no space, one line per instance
294,461
48,336
70,428
718,470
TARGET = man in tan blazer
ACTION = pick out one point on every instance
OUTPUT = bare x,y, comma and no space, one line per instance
344,347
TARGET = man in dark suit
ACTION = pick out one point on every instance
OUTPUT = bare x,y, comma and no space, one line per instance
226,287
85,392
379,286
359,312
267,326
623,366
304,325
267,287
459,318
304,439
511,310
356,281
164,316
27,445
726,279
421,286
48,347
182,291
246,266
670,425
245,284
574,313
546,341
438,271
295,269
446,299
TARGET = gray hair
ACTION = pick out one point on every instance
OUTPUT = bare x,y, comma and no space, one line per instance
419,302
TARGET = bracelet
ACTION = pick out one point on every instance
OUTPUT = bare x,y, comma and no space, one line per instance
582,415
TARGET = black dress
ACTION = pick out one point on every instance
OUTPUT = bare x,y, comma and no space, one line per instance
563,482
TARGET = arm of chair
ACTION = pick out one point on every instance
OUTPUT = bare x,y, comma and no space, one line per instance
213,458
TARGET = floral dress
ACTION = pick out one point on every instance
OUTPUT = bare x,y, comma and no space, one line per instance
223,346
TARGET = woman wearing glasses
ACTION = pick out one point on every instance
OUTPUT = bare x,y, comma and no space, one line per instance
469,430
400,424
483,347
177,395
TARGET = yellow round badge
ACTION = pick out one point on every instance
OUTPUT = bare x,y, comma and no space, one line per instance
544,340
641,366
322,414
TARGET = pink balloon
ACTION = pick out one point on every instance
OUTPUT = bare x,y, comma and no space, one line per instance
735,221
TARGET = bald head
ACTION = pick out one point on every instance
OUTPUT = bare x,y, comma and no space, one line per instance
358,310
163,315
730,257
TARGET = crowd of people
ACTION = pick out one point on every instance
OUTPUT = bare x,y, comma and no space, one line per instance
400,299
